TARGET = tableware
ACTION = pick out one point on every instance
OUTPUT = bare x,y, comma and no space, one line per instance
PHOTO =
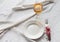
16,24
48,31
30,6
33,29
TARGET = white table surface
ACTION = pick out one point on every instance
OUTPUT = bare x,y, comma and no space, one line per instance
13,36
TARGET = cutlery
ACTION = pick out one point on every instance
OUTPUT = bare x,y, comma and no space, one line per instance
16,24
30,6
48,31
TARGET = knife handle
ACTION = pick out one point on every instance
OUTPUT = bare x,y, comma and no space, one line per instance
48,33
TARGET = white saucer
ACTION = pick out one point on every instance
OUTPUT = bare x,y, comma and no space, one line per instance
33,29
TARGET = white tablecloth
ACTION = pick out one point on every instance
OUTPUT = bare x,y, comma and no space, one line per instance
13,36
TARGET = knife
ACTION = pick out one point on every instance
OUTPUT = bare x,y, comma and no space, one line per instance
48,30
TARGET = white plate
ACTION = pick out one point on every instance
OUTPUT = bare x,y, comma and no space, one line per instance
33,29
